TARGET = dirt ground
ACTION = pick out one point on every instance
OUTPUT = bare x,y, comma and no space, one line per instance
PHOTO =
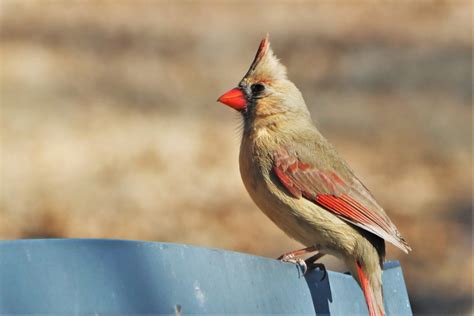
109,125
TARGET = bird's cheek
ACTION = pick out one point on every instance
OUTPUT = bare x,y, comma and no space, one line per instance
234,98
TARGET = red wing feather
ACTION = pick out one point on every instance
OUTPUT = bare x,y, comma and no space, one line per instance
349,200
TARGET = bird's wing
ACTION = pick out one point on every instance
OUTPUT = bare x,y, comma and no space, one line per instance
344,196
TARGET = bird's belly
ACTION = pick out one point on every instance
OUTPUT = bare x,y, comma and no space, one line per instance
300,218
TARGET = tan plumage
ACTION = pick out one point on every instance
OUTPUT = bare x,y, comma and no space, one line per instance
300,182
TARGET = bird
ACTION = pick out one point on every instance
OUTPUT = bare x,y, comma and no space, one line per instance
299,180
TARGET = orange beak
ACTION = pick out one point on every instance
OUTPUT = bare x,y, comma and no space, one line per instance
234,98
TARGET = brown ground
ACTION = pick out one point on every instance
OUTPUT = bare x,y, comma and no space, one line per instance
109,125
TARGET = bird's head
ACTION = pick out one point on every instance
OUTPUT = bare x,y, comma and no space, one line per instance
265,89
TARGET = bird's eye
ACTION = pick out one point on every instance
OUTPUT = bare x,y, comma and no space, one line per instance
257,88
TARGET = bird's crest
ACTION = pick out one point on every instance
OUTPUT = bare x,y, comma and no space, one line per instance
266,66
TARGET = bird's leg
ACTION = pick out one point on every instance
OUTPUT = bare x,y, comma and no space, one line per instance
295,253
312,264
292,257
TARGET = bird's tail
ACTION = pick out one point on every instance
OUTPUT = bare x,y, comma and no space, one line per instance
369,277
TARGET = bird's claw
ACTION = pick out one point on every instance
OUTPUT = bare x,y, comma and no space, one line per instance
303,265
292,259
288,257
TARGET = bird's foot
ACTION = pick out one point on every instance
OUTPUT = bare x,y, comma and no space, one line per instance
291,258
306,265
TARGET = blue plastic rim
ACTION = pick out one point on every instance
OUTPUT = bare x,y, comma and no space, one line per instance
101,276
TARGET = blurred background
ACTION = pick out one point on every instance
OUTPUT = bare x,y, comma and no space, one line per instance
110,128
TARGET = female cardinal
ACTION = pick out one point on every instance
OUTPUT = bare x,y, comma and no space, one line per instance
301,183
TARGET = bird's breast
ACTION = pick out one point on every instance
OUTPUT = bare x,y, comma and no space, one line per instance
255,164
256,170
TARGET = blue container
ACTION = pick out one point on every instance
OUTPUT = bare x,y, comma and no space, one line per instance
96,276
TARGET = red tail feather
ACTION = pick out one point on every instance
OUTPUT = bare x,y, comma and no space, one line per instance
368,292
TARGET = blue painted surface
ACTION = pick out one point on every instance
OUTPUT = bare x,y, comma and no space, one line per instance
87,276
